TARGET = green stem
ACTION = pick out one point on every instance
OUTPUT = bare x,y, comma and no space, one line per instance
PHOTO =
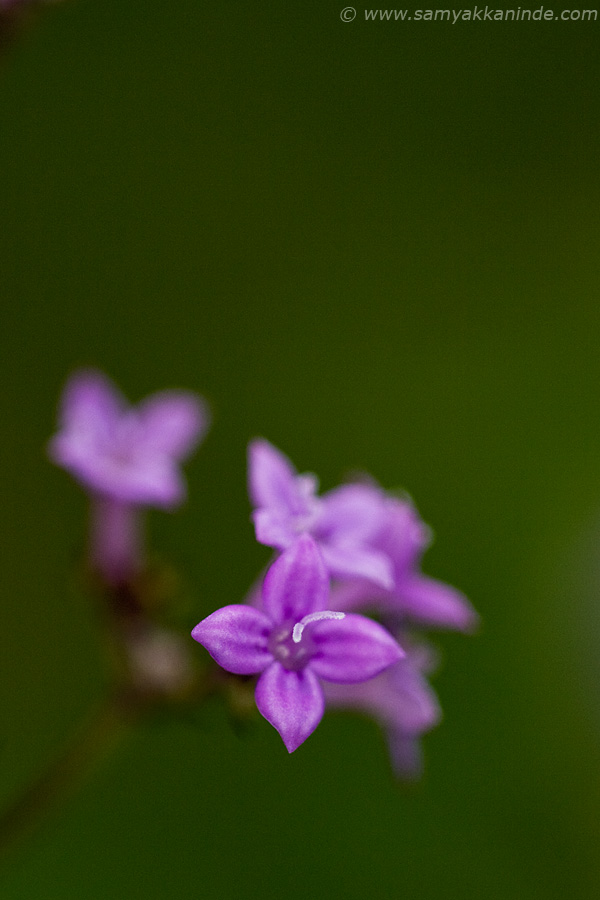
87,747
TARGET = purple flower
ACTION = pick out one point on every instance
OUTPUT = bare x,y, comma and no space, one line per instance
401,700
294,641
127,457
129,454
403,538
344,522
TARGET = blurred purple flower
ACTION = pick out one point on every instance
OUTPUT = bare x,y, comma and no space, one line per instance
129,454
401,700
295,641
343,522
403,538
127,457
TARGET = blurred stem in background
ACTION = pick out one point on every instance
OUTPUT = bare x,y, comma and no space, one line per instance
95,738
150,672
127,458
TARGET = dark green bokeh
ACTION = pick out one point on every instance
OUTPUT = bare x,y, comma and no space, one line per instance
375,244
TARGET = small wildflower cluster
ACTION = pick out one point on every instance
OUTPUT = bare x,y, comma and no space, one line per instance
355,549
306,629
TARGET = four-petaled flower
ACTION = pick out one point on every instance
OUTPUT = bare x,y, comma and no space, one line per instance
294,641
130,454
344,522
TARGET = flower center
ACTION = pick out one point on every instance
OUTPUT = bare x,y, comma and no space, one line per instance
291,654
313,617
292,645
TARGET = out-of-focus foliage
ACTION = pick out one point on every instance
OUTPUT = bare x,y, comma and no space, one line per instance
374,244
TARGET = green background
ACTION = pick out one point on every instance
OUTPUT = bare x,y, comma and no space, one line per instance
375,244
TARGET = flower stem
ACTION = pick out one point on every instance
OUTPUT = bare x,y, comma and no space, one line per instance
116,540
92,741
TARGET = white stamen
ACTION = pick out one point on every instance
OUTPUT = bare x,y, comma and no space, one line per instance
313,617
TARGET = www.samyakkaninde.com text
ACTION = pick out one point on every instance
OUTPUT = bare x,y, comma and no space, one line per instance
480,14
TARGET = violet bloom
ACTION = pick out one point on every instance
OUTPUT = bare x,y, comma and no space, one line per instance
413,596
344,522
127,458
401,700
294,641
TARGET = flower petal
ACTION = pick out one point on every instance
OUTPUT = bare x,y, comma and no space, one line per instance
406,699
291,701
271,476
236,637
297,583
435,603
153,480
90,410
355,562
356,594
272,528
172,422
351,649
352,513
90,401
405,536
400,698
